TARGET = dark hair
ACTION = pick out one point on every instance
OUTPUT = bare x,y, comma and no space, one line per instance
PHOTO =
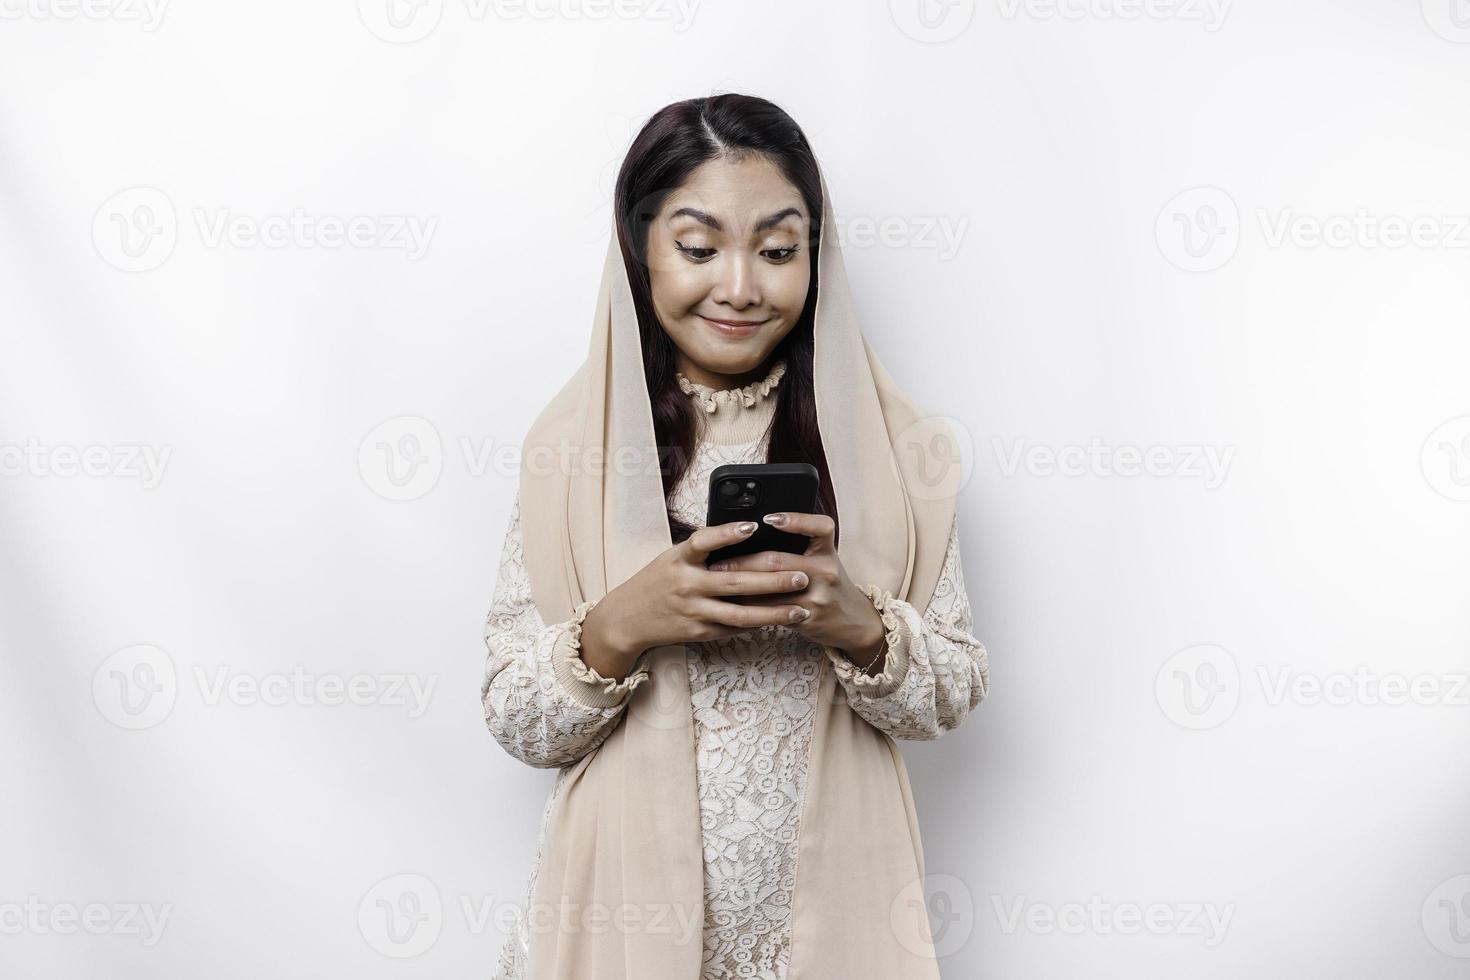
670,146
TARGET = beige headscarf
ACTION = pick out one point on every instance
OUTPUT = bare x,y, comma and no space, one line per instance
623,858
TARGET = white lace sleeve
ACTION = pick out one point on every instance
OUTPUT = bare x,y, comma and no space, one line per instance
936,670
543,703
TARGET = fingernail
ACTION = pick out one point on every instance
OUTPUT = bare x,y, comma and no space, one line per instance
746,527
779,520
799,613
720,566
798,581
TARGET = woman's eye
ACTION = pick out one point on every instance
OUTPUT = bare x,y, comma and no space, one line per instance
780,254
693,251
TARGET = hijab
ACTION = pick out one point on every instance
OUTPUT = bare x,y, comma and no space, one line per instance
622,865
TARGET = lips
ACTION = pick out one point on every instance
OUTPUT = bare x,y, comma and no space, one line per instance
733,328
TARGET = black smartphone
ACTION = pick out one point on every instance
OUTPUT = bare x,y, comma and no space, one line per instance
749,491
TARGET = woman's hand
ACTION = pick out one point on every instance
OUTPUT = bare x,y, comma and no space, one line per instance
842,616
672,599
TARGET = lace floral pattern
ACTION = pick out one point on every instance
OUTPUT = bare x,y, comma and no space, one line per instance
754,700
936,671
543,709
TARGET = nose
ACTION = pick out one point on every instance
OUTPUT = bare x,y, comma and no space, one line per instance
737,287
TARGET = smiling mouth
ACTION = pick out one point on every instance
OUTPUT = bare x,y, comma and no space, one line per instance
741,327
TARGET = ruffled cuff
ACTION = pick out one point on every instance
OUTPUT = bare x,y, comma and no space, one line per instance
898,638
579,680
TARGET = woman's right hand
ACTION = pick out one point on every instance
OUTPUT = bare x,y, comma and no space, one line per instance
672,599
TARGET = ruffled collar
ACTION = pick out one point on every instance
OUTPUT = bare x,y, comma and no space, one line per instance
748,396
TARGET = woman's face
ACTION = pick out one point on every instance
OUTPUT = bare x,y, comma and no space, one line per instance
728,267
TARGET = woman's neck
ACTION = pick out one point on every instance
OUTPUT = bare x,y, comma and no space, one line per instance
717,381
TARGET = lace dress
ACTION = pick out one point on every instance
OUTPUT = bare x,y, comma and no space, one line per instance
754,704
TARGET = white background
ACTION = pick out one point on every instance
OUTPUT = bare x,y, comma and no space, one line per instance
1107,767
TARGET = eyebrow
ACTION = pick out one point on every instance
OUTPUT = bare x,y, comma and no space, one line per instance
713,222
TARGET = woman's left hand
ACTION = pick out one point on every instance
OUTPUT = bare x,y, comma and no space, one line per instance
840,614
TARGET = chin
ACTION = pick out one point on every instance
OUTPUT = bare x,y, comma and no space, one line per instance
736,358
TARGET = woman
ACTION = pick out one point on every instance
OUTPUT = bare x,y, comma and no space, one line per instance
730,801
